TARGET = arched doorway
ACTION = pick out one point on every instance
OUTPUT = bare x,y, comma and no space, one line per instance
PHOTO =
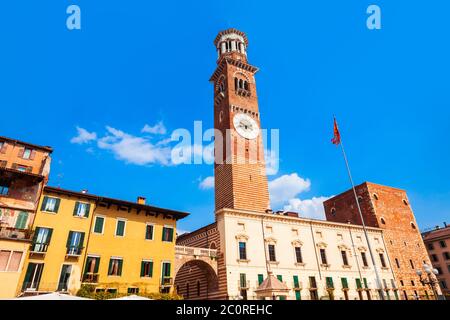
196,280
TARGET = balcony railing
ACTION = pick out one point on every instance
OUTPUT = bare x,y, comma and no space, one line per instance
74,251
15,234
90,277
166,281
297,285
37,247
193,251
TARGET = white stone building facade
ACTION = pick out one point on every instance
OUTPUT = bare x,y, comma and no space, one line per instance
316,259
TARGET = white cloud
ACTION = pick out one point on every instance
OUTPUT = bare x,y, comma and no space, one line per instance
284,193
83,136
311,208
272,162
158,128
207,183
133,149
286,187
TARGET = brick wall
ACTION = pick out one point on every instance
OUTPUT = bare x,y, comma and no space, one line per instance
389,209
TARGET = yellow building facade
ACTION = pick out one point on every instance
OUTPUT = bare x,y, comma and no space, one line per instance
114,245
58,249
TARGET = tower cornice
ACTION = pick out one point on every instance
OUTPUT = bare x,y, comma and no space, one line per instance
229,31
237,63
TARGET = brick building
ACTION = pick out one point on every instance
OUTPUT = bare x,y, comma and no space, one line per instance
437,242
387,208
24,170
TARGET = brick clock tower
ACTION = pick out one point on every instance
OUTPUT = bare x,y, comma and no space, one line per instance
239,171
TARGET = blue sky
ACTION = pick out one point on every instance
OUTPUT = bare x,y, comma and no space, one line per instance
137,63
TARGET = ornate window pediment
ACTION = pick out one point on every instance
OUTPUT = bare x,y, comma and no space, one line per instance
270,240
379,250
343,247
364,249
242,236
297,243
321,244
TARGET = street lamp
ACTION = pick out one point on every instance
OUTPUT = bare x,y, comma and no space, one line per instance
429,279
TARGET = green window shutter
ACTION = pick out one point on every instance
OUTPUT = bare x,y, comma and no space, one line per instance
86,267
358,283
296,281
36,232
98,227
151,269
28,275
168,269
260,279
69,238
329,282
97,264
44,203
21,222
344,283
170,234
149,232
75,209
119,273
280,277
120,228
110,266
57,205
81,245
142,268
49,236
88,208
365,283
297,295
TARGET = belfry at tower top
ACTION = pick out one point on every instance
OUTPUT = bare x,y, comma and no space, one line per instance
231,43
230,33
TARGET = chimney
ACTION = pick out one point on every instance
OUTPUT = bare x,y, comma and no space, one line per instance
445,224
141,200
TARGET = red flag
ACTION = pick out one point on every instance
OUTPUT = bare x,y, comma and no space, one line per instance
337,136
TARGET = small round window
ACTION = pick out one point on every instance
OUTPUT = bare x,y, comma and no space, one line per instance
413,226
405,202
383,221
375,196
333,211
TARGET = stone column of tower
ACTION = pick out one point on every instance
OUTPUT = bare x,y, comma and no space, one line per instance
240,172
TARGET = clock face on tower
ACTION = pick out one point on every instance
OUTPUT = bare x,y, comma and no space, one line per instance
246,126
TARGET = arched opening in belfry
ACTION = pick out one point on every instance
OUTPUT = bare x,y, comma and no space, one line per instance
196,274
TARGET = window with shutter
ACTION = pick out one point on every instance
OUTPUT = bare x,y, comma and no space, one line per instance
75,243
115,267
296,282
98,224
120,228
21,221
147,268
260,278
149,232
50,204
167,234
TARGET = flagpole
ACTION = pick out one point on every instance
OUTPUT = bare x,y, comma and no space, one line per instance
380,289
